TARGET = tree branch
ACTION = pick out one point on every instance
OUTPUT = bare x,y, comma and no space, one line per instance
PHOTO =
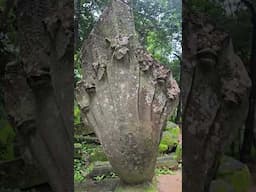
179,57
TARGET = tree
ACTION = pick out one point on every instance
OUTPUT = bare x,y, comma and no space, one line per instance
158,24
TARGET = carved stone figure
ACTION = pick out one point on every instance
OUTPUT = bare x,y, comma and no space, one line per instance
125,94
215,87
39,87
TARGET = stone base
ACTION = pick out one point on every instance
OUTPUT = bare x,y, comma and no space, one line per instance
17,174
145,187
107,185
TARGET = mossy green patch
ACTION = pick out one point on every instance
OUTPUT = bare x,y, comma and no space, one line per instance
171,125
235,173
77,114
98,155
7,136
169,138
162,148
220,186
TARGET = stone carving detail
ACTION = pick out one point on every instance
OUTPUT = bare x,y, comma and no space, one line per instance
215,88
38,88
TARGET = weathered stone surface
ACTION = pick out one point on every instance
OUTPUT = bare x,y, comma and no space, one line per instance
20,106
39,88
125,94
81,129
235,173
18,174
215,88
101,168
232,176
220,186
107,185
144,187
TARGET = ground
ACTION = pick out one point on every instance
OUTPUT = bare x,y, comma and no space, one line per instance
170,183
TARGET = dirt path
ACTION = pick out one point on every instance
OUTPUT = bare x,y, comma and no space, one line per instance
170,183
173,183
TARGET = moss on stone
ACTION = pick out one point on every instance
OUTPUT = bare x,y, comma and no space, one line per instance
171,125
145,187
162,148
170,137
98,155
7,136
235,173
221,186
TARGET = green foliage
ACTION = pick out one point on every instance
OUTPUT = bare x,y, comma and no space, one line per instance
170,137
77,114
83,165
78,66
238,25
8,31
175,66
98,155
81,170
174,128
8,52
178,153
99,177
163,171
7,136
144,187
89,12
85,155
162,148
158,24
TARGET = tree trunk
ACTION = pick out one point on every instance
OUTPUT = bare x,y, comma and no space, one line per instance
39,91
215,88
125,94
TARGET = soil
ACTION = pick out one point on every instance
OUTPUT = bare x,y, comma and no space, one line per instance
170,183
165,183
